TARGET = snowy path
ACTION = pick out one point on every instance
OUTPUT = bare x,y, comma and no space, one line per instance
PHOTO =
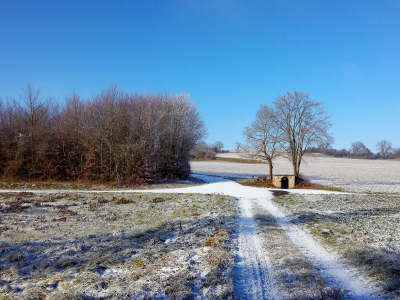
254,272
254,278
334,272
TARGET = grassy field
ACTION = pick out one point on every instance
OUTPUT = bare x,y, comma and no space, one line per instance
52,185
239,160
91,186
256,183
232,160
113,246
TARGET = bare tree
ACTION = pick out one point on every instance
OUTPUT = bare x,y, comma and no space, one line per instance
218,146
262,137
35,116
303,124
182,129
384,147
73,136
359,149
396,152
3,137
203,151
13,139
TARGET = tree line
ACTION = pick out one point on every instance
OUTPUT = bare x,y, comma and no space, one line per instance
204,151
130,136
358,149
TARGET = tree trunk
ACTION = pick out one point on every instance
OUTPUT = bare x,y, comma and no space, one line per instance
270,169
296,170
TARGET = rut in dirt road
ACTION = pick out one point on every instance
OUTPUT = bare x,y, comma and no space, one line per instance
335,274
254,277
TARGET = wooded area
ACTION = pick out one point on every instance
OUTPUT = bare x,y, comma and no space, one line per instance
137,137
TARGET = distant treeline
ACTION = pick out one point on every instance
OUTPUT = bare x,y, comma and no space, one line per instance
204,151
137,137
359,150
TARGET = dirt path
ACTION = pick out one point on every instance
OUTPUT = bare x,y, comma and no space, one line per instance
335,273
254,277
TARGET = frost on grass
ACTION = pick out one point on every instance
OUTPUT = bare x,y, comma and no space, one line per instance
114,246
363,229
67,186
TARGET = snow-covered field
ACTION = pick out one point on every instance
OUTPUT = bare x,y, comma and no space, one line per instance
357,175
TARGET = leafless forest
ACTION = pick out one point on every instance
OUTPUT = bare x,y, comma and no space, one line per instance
112,136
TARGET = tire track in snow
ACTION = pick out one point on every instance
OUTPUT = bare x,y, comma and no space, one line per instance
253,271
332,270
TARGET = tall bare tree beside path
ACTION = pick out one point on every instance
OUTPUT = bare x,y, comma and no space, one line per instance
262,137
303,123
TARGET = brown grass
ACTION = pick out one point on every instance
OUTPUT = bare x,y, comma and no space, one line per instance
157,200
124,201
11,183
256,183
239,160
305,184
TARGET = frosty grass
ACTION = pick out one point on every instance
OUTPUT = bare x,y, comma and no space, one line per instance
113,246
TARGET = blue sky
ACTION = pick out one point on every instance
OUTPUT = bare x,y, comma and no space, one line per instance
230,56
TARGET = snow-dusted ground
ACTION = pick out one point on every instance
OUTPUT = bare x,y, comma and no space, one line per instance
357,175
256,277
80,245
255,273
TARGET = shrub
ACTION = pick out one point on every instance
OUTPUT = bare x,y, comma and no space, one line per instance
133,138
